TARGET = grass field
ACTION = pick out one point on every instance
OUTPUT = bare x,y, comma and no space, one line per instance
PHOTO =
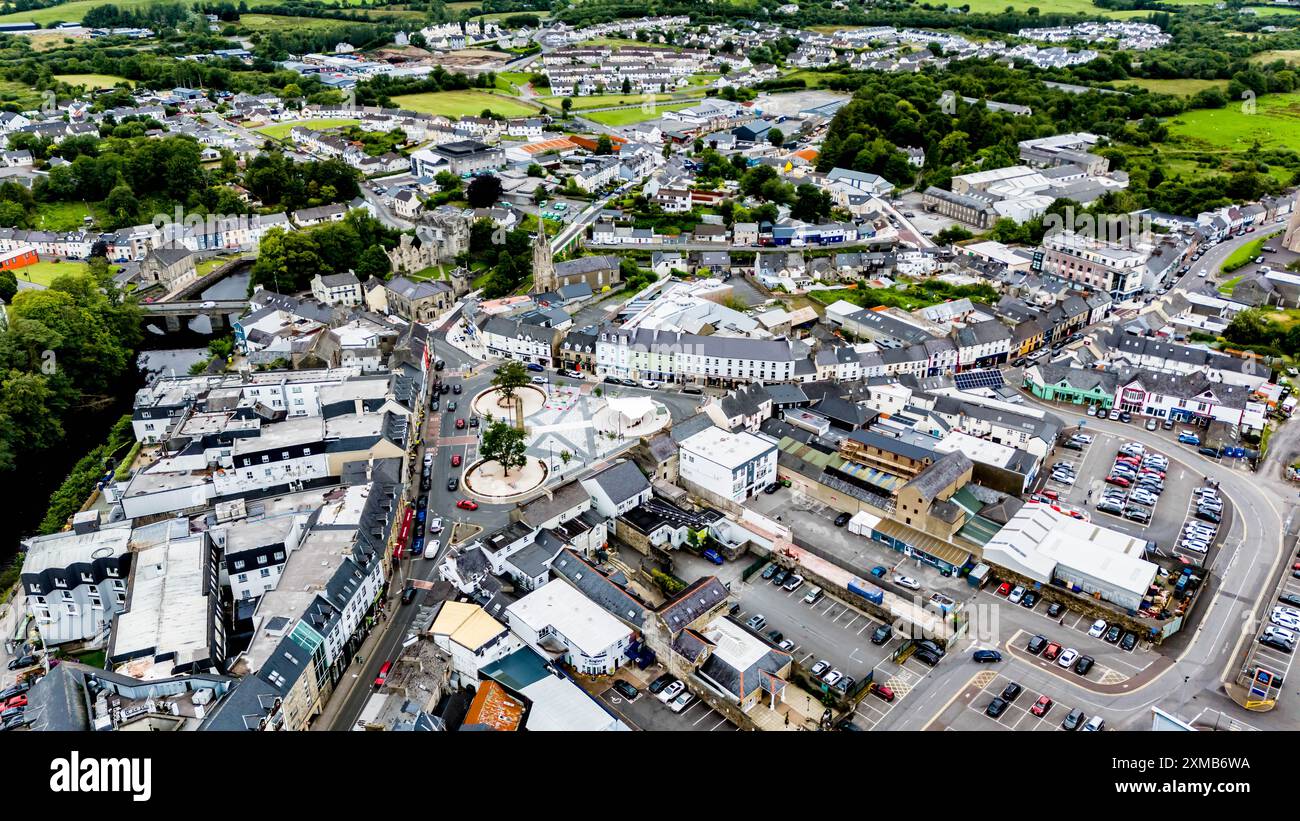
275,22
280,131
1290,55
1181,88
1276,122
46,271
462,104
1058,7
68,12
604,100
628,116
1243,255
61,216
92,81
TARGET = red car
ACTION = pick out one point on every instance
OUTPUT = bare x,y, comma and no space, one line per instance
1118,480
466,504
1051,494
881,691
383,674
1004,588
19,700
460,424
1052,651
455,460
1041,706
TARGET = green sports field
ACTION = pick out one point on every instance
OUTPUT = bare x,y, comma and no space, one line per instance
280,131
68,12
462,104
1180,88
627,116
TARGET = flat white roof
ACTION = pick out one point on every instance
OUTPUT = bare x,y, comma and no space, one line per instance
726,448
169,609
581,621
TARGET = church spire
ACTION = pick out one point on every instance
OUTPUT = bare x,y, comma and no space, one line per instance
543,262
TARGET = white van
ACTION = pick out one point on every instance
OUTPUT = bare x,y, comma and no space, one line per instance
814,593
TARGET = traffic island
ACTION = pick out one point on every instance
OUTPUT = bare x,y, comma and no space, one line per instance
491,404
486,481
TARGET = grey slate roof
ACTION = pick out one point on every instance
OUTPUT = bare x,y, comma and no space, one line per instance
621,481
931,481
698,598
596,586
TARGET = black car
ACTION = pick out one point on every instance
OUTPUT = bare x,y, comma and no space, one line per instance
780,577
452,484
422,503
842,519
1289,598
442,389
1036,645
772,488
408,595
996,708
1074,720
881,634
435,405
473,421
626,690
1113,634
926,657
1029,599
1275,643
1083,665
1129,641
931,647
455,389
1208,515
1213,453
770,571
21,662
776,636
1054,609
734,610
660,683
1070,444
1010,692
1125,416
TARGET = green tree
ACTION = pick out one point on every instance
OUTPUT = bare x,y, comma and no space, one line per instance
373,263
8,286
504,444
508,378
776,137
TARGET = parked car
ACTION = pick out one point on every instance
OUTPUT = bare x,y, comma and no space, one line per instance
681,702
780,577
1054,609
660,683
1067,657
1083,665
882,692
1094,725
842,519
467,504
1016,594
383,674
1036,645
1051,651
756,622
671,691
793,583
832,677
908,582
712,555
1074,719
996,708
770,571
926,657
20,662
1041,706
1098,628
878,572
819,668
881,634
813,595
1004,589
626,690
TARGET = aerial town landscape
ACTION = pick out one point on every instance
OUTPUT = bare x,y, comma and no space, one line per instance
589,365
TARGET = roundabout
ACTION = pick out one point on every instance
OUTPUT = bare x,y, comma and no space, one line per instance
486,480
489,404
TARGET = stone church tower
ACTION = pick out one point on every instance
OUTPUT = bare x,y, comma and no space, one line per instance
1291,239
544,279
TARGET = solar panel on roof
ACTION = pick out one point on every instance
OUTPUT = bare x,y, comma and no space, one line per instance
979,379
